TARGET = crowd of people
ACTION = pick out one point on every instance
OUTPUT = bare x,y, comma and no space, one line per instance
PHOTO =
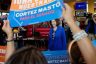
31,55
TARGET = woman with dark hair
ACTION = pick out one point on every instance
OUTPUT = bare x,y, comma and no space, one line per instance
27,55
57,37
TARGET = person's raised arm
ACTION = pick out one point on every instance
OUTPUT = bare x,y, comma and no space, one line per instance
84,43
10,42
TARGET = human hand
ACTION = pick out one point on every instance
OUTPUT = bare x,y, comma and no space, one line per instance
67,13
7,29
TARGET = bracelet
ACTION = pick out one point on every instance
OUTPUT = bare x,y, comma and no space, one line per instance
80,35
10,40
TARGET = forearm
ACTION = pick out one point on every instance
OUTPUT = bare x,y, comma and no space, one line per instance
84,44
74,28
10,47
87,50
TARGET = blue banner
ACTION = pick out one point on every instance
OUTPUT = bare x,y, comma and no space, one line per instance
21,15
57,57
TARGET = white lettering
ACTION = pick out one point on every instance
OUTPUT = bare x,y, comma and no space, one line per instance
22,1
49,7
44,9
41,2
17,15
45,1
58,4
40,10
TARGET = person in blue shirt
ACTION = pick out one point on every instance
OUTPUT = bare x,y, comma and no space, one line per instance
57,37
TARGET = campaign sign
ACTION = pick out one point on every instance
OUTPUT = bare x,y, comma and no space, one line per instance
57,57
26,12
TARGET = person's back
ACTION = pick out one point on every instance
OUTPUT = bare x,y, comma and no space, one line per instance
27,55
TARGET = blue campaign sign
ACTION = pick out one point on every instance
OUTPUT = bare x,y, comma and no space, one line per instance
28,12
57,57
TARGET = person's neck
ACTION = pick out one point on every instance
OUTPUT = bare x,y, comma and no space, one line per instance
55,28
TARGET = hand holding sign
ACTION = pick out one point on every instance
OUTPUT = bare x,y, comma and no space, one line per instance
67,12
7,29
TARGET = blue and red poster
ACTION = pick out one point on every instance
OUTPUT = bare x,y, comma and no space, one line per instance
26,12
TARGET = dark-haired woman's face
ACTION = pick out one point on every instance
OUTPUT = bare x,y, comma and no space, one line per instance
53,23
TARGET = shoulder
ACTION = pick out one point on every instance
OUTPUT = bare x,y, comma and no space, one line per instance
60,27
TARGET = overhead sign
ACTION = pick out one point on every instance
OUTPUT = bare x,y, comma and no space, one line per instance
81,5
26,12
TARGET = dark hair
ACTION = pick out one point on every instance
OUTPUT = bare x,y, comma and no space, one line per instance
76,54
1,21
27,55
57,22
